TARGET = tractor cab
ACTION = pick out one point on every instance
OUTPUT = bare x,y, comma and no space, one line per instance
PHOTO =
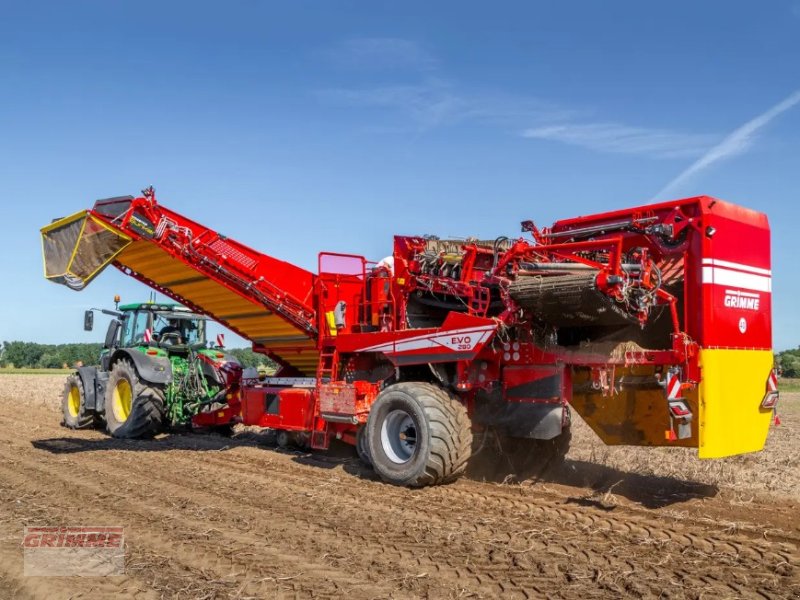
167,326
164,329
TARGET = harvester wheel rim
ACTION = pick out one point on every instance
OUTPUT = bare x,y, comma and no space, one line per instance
122,400
399,436
74,401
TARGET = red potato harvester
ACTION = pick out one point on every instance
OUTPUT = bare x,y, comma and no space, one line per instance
653,323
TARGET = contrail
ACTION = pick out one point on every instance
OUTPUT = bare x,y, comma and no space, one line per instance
735,143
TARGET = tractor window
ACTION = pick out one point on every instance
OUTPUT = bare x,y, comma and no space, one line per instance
135,326
196,331
181,330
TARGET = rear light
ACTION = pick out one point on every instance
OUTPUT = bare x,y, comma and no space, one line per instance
679,409
770,401
771,397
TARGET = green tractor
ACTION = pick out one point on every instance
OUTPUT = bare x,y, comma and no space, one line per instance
156,372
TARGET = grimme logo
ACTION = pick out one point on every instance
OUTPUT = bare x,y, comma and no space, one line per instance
73,537
81,551
743,300
142,225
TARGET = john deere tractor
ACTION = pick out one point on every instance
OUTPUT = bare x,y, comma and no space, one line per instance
156,372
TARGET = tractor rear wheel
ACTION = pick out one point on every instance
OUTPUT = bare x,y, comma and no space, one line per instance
418,434
133,409
73,404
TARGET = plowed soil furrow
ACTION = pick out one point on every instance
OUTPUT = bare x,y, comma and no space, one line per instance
209,517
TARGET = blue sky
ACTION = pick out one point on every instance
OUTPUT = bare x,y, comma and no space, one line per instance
302,126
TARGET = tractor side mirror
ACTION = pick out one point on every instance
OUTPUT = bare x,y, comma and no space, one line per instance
111,334
88,320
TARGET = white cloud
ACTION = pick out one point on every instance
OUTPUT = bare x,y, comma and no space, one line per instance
735,143
428,105
624,139
427,99
436,102
382,53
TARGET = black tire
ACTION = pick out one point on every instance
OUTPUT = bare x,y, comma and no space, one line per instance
283,439
418,434
140,415
73,404
362,446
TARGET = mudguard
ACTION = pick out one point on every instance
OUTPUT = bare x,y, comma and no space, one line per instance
152,369
536,420
88,377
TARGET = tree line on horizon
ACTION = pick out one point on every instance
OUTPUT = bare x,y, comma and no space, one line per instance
30,355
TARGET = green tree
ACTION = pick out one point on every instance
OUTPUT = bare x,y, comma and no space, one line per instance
789,362
30,355
248,358
22,354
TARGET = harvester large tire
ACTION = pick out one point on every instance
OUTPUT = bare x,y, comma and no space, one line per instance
73,404
362,446
133,408
418,434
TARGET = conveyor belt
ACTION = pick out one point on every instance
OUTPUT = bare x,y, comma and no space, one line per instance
263,299
567,300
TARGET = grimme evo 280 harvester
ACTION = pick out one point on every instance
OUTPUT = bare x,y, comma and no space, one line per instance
653,323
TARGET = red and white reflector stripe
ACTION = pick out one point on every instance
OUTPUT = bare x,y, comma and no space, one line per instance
673,385
772,381
220,340
148,336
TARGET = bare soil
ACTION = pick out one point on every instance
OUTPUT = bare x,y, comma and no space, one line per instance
214,517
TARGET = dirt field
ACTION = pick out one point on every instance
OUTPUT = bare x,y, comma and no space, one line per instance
210,517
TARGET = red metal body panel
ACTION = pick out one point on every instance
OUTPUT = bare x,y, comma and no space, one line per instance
460,337
292,409
736,280
533,383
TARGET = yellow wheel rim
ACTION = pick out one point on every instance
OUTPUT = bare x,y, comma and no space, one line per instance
121,400
74,401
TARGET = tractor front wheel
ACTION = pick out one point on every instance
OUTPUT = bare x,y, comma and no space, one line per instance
73,404
418,434
133,409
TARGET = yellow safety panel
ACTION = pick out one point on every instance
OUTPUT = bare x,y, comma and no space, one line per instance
733,385
330,320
